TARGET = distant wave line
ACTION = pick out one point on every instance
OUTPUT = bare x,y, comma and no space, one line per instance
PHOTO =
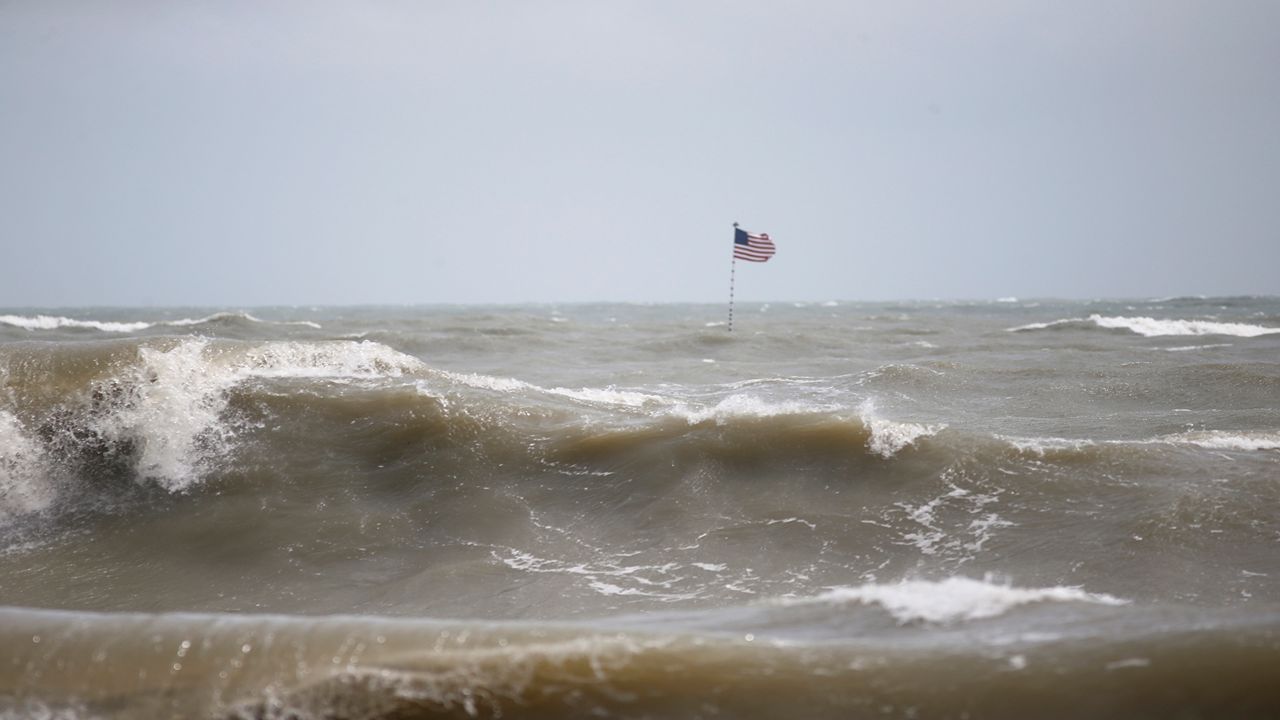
55,322
1152,327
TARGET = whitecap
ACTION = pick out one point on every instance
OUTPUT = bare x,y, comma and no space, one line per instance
488,382
55,322
889,437
954,599
1222,440
1151,327
178,395
1044,325
738,406
237,316
597,396
1042,445
1185,348
609,396
24,484
50,322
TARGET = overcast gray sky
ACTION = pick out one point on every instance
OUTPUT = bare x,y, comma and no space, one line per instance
249,153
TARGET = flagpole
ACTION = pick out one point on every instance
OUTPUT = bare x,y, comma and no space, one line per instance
733,265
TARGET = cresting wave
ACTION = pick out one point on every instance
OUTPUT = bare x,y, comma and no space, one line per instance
159,407
56,322
821,657
955,599
1221,440
886,437
162,409
1246,441
171,411
1152,327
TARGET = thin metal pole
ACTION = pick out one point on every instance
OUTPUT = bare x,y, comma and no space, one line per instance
733,265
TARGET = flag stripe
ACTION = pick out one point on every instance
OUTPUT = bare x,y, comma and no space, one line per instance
752,247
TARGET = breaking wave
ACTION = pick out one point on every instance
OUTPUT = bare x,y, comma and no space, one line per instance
955,599
1220,440
24,485
158,406
1085,449
172,412
888,437
1152,327
55,322
885,437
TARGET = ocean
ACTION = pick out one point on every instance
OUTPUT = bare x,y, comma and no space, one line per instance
1006,509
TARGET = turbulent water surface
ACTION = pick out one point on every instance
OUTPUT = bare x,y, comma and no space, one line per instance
840,510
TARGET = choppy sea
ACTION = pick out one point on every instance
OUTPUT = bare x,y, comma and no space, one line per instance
1007,509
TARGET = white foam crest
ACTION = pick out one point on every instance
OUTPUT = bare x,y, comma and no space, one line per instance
52,322
24,485
178,399
1222,440
1151,327
55,322
610,396
889,437
235,316
726,409
1043,325
785,380
955,599
173,415
652,580
342,359
1185,348
488,382
1042,445
598,396
740,406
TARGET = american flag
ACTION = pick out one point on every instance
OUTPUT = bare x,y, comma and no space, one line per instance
752,247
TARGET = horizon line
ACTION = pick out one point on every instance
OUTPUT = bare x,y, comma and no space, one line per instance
1004,300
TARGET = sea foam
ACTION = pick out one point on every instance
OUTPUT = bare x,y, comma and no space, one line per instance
24,484
889,437
177,395
50,322
741,405
594,396
728,408
1041,446
954,599
56,322
1152,327
1221,440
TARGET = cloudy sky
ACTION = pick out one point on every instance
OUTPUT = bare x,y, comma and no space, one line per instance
251,153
